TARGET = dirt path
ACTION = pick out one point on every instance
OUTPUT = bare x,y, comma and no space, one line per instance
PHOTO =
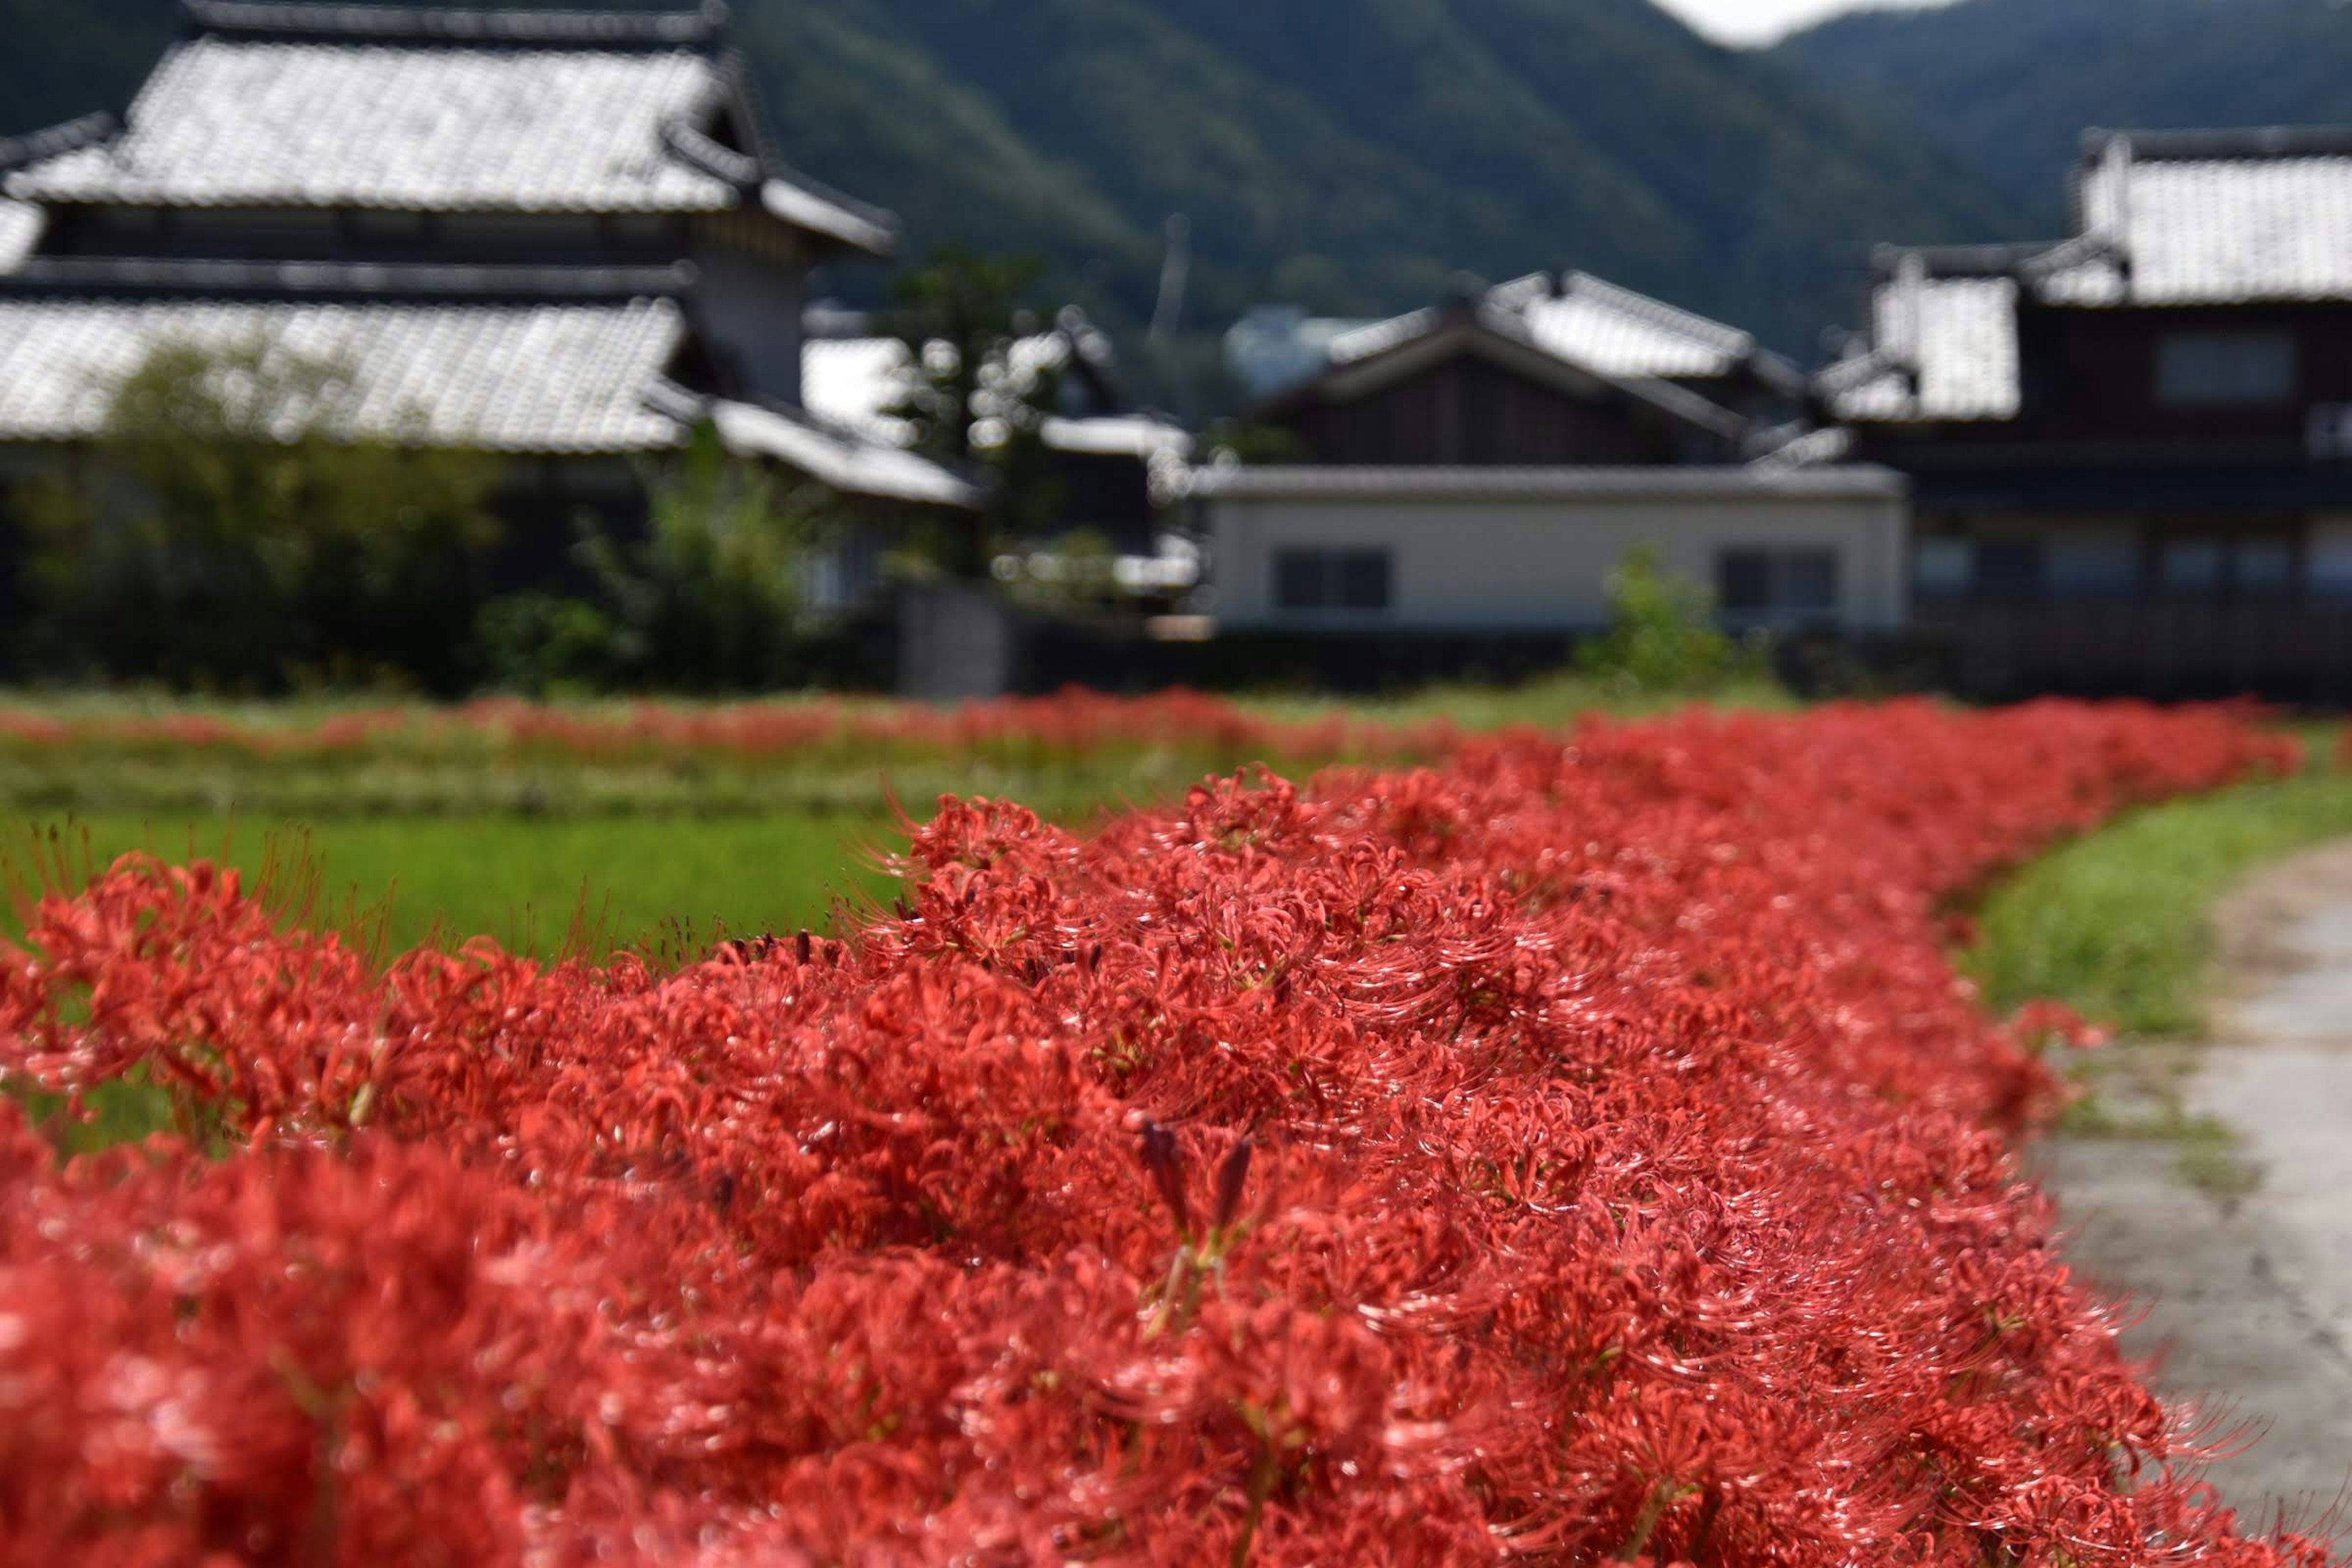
2241,1258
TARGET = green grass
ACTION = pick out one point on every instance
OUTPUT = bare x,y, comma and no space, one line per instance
638,882
2117,923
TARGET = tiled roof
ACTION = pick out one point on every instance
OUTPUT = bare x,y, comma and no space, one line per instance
1942,349
1586,321
840,459
1505,324
2166,219
554,379
1241,481
2221,231
549,379
232,123
370,107
404,24
149,277
21,223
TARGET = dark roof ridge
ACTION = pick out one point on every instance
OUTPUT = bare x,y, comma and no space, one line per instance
2223,143
288,21
319,281
56,140
1995,261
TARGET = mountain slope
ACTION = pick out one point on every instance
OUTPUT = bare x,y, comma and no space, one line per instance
2010,85
1352,167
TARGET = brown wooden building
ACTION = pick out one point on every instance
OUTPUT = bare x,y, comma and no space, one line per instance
2131,451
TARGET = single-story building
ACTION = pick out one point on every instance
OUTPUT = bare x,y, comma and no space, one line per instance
1481,467
1499,552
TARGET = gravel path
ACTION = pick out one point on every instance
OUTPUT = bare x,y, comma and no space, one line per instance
2248,1294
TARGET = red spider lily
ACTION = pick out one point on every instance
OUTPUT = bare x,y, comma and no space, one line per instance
1581,1149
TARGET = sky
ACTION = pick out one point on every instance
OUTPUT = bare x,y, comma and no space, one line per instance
1760,21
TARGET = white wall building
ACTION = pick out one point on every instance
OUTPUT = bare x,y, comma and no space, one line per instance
1498,551
1483,468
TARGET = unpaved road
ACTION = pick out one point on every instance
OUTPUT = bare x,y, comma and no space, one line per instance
2248,1299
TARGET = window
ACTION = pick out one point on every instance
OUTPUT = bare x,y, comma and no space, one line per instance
1944,568
2265,568
1778,584
1358,580
2330,567
2008,569
2225,370
2192,567
2249,568
2092,563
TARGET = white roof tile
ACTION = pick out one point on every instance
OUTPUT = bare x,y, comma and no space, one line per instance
1945,349
21,223
1587,321
520,378
2218,231
2167,219
840,459
224,121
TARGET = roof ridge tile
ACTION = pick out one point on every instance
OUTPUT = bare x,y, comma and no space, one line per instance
701,28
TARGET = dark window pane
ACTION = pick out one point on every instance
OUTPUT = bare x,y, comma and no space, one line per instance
1743,580
2192,566
2009,570
2218,370
1809,582
1364,580
1298,579
1944,568
2265,567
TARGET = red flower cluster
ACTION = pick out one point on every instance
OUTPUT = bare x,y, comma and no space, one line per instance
1075,721
1583,1153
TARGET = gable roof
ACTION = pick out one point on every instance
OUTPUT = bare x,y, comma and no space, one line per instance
1594,324
1392,352
360,105
2165,219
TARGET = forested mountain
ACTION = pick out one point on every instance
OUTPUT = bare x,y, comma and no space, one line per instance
2010,85
1347,158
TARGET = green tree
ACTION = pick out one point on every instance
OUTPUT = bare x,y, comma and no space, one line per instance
224,532
979,398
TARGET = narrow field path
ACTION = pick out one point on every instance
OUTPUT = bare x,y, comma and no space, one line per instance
2241,1259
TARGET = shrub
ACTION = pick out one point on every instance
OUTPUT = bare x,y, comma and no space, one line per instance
223,534
710,598
1662,636
1577,1151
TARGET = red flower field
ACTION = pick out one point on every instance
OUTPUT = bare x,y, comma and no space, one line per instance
1582,1151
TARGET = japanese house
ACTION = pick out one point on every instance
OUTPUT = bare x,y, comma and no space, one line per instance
558,236
1479,470
2131,450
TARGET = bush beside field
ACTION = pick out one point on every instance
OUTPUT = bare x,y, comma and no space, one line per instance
1582,1147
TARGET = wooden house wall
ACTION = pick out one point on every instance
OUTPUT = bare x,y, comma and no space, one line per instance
1469,413
2091,375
